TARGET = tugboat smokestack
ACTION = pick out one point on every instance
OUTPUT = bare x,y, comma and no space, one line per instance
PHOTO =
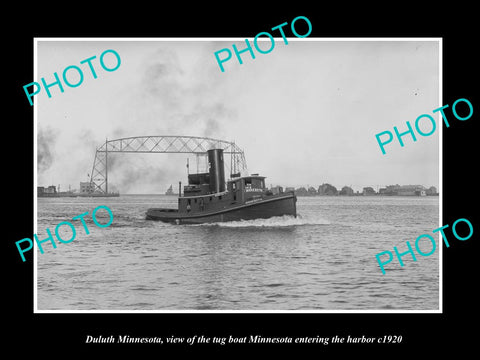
216,170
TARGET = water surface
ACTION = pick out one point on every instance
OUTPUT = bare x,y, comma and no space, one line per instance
322,260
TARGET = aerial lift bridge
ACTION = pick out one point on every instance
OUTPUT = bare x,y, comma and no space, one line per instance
161,144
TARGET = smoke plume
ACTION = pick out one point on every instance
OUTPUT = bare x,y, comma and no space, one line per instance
46,139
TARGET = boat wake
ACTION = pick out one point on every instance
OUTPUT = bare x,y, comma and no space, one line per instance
277,221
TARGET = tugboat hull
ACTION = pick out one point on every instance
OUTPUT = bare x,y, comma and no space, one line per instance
279,205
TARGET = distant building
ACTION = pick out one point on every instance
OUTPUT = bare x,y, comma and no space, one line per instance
404,190
327,189
289,188
392,189
411,190
50,190
368,191
346,190
46,191
86,187
301,191
421,192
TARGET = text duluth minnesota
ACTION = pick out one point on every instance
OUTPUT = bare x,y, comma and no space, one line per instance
218,340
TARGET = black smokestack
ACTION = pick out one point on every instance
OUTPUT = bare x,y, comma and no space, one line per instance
216,170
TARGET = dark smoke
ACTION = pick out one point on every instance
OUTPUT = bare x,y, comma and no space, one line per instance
150,173
46,139
185,103
169,99
161,80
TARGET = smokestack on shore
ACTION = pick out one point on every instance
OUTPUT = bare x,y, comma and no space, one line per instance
216,170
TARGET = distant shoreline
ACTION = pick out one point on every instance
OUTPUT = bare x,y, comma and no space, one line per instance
368,195
310,191
359,194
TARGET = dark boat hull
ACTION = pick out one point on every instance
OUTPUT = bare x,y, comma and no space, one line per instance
262,209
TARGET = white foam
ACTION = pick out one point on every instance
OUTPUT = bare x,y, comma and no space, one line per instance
277,221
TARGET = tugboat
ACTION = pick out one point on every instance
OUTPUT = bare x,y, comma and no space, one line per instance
208,199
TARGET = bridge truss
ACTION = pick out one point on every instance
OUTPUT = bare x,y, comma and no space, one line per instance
160,144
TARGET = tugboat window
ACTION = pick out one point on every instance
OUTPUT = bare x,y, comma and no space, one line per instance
257,183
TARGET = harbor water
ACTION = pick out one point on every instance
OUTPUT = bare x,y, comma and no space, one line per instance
322,260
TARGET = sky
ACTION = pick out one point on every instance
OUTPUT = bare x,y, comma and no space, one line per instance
305,114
